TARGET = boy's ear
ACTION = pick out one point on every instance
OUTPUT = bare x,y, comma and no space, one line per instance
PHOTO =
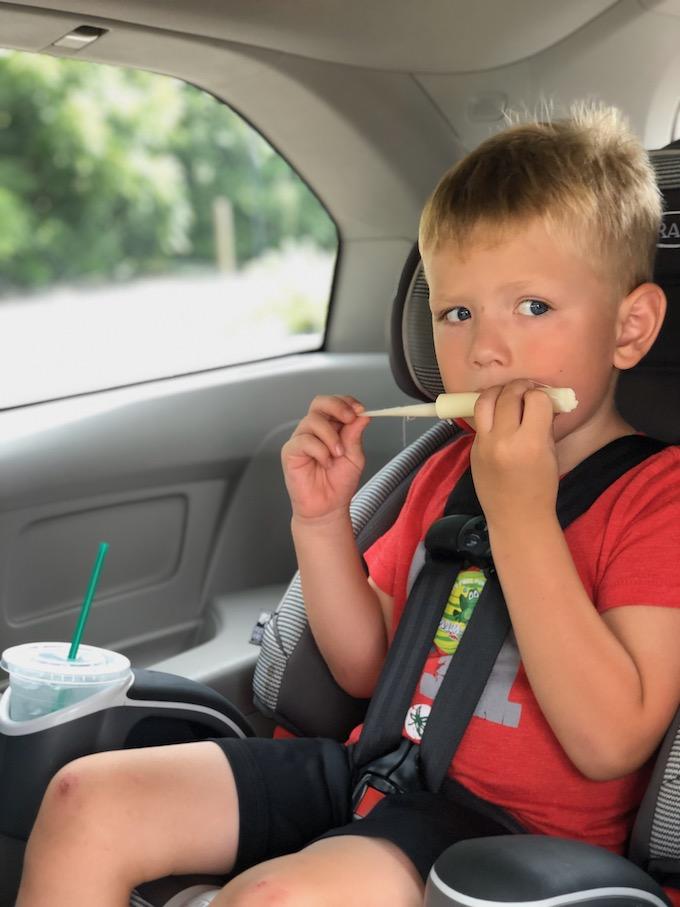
639,321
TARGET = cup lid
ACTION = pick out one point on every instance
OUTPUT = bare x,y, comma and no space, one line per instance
49,662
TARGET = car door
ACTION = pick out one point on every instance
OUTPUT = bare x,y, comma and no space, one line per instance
149,411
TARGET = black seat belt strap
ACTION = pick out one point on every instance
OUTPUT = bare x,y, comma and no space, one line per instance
464,683
406,657
479,646
411,644
590,478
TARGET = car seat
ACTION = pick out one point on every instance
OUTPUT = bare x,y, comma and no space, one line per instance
649,397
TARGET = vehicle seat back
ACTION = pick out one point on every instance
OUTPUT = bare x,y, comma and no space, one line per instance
649,397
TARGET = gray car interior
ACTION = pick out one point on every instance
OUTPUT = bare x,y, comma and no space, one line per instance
197,455
370,103
289,660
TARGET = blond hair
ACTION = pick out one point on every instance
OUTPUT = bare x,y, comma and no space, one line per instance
586,177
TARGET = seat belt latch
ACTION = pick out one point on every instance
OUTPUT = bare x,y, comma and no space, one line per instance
368,798
460,535
396,773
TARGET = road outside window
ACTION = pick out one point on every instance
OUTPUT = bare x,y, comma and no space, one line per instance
147,231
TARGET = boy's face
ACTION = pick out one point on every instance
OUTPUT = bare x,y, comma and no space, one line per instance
528,307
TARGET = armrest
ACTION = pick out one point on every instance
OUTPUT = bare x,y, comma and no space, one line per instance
159,692
530,868
149,709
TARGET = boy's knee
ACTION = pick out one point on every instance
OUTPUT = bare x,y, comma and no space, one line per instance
84,817
81,803
78,787
278,882
63,818
85,813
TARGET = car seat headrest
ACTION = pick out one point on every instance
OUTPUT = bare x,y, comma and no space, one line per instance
648,395
412,357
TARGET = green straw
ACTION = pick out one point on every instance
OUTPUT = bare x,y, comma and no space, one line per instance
89,595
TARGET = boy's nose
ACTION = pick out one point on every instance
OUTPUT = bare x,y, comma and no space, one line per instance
488,345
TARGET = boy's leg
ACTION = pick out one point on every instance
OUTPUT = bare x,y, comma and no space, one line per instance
113,820
379,861
332,872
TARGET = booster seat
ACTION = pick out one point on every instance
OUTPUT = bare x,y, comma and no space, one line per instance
513,868
649,397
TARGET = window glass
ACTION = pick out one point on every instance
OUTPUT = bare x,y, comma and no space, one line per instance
147,231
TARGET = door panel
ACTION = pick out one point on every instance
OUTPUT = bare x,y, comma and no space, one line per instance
146,599
183,479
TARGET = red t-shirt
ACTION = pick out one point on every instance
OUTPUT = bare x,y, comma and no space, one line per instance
625,548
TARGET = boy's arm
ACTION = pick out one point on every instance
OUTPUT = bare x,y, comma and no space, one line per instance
607,685
346,612
322,464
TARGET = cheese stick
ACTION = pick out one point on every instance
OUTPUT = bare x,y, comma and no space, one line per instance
455,406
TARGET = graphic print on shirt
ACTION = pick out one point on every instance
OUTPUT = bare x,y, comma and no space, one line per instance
458,609
457,612
494,704
416,719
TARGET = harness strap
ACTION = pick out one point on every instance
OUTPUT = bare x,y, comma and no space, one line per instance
404,662
475,656
464,683
412,642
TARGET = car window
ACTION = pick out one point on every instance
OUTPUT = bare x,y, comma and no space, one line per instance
147,230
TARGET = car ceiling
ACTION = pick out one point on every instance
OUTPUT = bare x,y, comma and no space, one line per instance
372,101
422,36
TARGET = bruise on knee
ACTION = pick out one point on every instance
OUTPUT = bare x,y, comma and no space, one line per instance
274,891
262,892
65,783
66,790
57,814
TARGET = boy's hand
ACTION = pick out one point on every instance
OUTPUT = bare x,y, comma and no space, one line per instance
513,457
324,459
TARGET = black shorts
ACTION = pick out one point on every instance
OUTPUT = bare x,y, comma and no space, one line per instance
294,792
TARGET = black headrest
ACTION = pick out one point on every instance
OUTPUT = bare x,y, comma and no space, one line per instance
648,395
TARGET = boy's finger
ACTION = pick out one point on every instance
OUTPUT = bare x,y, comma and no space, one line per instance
357,406
538,410
485,408
350,435
320,427
334,406
304,448
510,406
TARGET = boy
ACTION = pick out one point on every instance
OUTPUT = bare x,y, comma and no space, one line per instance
538,249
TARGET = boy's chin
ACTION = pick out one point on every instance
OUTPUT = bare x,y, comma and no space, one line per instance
467,424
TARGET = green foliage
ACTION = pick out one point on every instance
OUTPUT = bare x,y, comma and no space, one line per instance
109,173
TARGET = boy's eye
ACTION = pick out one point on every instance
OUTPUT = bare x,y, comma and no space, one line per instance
458,313
533,307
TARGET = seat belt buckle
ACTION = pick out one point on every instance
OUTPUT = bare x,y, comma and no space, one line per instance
460,535
397,772
365,798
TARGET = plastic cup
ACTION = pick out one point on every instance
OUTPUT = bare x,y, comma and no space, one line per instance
43,679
